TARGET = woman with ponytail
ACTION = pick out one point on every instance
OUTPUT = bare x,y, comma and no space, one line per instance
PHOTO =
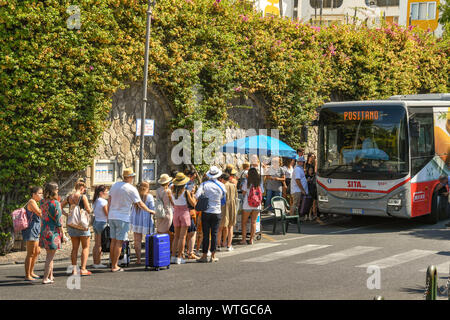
100,207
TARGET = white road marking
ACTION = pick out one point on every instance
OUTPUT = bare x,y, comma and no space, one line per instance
247,249
399,259
286,253
442,269
340,255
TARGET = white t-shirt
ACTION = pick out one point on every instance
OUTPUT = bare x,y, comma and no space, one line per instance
288,172
246,206
99,214
123,196
300,175
181,201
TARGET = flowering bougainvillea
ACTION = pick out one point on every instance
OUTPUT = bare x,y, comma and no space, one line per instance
56,83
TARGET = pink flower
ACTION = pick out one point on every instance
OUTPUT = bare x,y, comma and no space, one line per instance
91,67
238,89
40,109
332,50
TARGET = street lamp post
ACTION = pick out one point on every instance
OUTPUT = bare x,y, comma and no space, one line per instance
151,3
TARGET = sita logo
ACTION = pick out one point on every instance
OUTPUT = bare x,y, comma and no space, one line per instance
419,196
354,184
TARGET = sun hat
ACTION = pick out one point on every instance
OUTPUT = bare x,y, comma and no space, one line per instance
231,168
164,178
180,179
128,172
214,172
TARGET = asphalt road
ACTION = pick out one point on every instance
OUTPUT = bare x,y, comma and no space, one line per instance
324,262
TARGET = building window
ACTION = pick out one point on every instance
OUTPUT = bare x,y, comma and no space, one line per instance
295,11
326,3
382,3
423,11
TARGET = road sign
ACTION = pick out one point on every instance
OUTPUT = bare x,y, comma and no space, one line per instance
149,127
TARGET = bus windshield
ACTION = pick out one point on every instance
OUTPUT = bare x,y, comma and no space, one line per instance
369,143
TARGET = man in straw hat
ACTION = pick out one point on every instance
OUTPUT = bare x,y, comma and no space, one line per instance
215,192
299,185
122,196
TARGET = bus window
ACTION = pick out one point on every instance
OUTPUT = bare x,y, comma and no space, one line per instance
421,144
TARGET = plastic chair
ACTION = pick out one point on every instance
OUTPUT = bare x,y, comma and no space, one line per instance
281,209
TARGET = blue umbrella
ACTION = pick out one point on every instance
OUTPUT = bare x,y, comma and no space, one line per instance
260,145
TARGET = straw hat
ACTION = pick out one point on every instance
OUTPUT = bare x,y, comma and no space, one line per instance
231,168
214,172
164,178
180,179
128,172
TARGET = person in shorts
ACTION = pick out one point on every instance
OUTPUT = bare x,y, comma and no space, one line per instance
181,216
100,207
299,185
122,196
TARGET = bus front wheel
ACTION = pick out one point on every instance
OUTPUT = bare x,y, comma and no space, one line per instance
433,217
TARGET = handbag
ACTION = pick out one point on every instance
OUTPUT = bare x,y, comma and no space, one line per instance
202,202
160,211
78,218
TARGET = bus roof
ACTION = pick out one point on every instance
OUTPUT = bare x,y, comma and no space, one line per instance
422,97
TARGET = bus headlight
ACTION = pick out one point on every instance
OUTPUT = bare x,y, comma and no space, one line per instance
396,201
323,198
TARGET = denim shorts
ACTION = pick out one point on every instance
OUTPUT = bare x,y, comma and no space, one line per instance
75,233
119,229
99,226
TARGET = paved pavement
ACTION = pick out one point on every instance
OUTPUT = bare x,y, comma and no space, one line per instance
328,261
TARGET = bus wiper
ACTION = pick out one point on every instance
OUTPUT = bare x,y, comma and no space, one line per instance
337,167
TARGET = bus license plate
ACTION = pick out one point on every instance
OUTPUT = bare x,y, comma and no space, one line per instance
357,211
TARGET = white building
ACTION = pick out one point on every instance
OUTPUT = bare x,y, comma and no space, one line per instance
333,11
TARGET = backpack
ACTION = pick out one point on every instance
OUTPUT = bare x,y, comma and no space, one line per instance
254,197
20,219
106,239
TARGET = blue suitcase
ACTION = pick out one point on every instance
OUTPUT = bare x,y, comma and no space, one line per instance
157,251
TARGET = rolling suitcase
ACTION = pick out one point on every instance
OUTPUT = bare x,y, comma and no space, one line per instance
157,251
305,206
124,259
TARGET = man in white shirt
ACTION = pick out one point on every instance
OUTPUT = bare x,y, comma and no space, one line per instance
215,191
299,185
122,196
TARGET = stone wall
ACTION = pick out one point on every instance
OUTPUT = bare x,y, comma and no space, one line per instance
119,141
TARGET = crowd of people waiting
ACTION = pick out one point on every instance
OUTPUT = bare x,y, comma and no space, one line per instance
125,208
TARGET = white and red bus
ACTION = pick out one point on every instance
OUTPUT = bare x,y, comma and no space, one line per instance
384,158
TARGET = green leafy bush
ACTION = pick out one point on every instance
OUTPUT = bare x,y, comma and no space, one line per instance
56,83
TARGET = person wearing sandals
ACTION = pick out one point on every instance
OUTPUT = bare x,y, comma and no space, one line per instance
122,196
253,180
165,194
51,228
31,234
141,221
181,216
192,231
229,211
79,236
216,193
100,207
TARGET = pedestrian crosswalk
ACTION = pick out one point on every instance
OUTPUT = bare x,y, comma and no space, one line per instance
340,255
286,253
320,255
